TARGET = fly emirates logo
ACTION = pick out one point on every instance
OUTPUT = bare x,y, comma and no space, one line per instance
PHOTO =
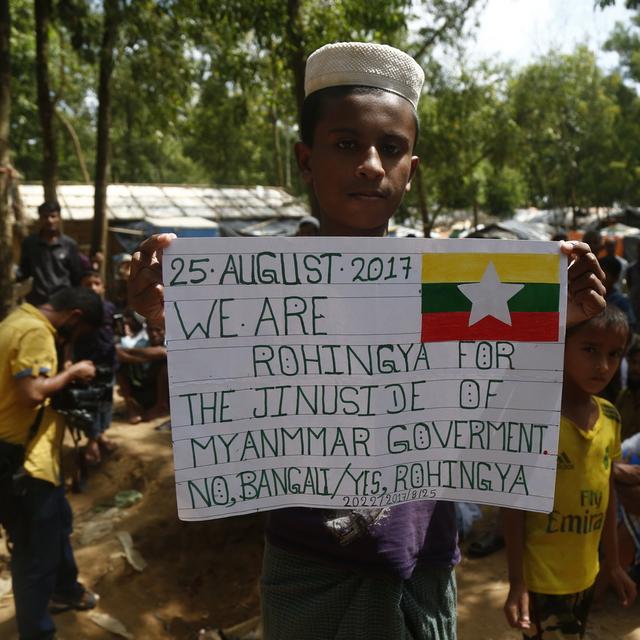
589,520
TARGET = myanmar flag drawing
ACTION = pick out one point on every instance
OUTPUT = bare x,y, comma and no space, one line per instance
490,296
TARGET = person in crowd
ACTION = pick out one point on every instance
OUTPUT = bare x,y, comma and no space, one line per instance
48,256
96,259
121,268
396,579
143,378
100,348
612,268
35,512
633,283
628,400
593,238
124,267
492,539
627,482
553,557
610,248
134,329
308,226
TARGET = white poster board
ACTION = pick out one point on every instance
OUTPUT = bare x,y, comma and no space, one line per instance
363,372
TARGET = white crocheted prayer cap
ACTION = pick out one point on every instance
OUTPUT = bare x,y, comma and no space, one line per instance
365,64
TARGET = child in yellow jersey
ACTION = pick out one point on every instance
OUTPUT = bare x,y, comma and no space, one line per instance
553,558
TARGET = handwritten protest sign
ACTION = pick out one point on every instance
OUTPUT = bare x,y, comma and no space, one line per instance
363,372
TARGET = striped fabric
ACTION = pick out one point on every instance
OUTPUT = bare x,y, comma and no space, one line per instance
306,599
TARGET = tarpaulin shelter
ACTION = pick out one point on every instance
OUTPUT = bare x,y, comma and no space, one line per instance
138,210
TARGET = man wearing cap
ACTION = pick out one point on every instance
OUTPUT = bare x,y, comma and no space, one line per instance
308,226
48,256
379,573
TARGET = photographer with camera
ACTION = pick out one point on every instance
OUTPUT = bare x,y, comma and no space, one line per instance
92,407
33,507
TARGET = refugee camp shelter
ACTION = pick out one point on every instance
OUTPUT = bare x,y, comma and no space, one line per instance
138,210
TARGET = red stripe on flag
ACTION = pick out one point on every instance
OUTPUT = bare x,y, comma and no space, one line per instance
525,327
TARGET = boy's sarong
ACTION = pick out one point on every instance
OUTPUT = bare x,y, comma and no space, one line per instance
306,599
558,617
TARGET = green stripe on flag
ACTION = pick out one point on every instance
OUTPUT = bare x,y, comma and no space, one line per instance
445,297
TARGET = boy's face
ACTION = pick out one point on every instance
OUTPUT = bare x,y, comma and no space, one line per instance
592,356
94,283
361,162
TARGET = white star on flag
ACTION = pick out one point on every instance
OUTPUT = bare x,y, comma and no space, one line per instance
489,297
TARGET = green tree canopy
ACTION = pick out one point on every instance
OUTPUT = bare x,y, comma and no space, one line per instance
206,91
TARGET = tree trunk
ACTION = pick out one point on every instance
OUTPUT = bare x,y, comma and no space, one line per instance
45,100
297,61
99,234
278,169
6,230
20,223
296,51
128,149
574,207
76,146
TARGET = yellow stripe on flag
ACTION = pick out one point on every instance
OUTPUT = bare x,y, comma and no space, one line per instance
511,267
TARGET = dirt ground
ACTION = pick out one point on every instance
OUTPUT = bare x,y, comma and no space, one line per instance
205,575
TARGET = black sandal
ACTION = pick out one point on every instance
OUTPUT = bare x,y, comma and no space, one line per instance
82,602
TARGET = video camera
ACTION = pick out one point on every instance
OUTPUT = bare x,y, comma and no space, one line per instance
79,402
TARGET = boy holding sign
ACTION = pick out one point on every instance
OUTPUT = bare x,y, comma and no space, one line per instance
553,558
381,573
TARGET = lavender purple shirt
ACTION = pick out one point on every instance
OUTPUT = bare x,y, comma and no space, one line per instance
404,537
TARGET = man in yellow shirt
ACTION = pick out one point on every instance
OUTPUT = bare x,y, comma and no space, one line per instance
43,568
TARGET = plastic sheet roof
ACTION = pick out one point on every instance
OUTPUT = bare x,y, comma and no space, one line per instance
128,202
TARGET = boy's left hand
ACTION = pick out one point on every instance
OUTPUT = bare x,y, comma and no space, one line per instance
586,289
624,586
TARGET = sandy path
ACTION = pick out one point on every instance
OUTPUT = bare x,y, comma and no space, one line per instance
205,574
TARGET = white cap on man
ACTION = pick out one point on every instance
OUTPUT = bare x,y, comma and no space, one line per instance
310,221
364,64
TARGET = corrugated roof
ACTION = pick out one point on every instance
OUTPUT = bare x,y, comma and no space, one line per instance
141,201
180,222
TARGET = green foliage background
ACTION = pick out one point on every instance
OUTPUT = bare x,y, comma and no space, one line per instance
208,92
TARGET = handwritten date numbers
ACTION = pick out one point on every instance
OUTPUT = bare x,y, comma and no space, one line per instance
376,269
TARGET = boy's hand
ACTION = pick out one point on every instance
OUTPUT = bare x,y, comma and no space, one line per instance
516,608
624,586
144,287
586,290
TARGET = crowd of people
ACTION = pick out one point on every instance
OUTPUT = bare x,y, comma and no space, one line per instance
396,579
622,283
125,348
61,353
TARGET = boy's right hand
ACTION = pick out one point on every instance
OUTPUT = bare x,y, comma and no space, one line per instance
145,290
516,608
